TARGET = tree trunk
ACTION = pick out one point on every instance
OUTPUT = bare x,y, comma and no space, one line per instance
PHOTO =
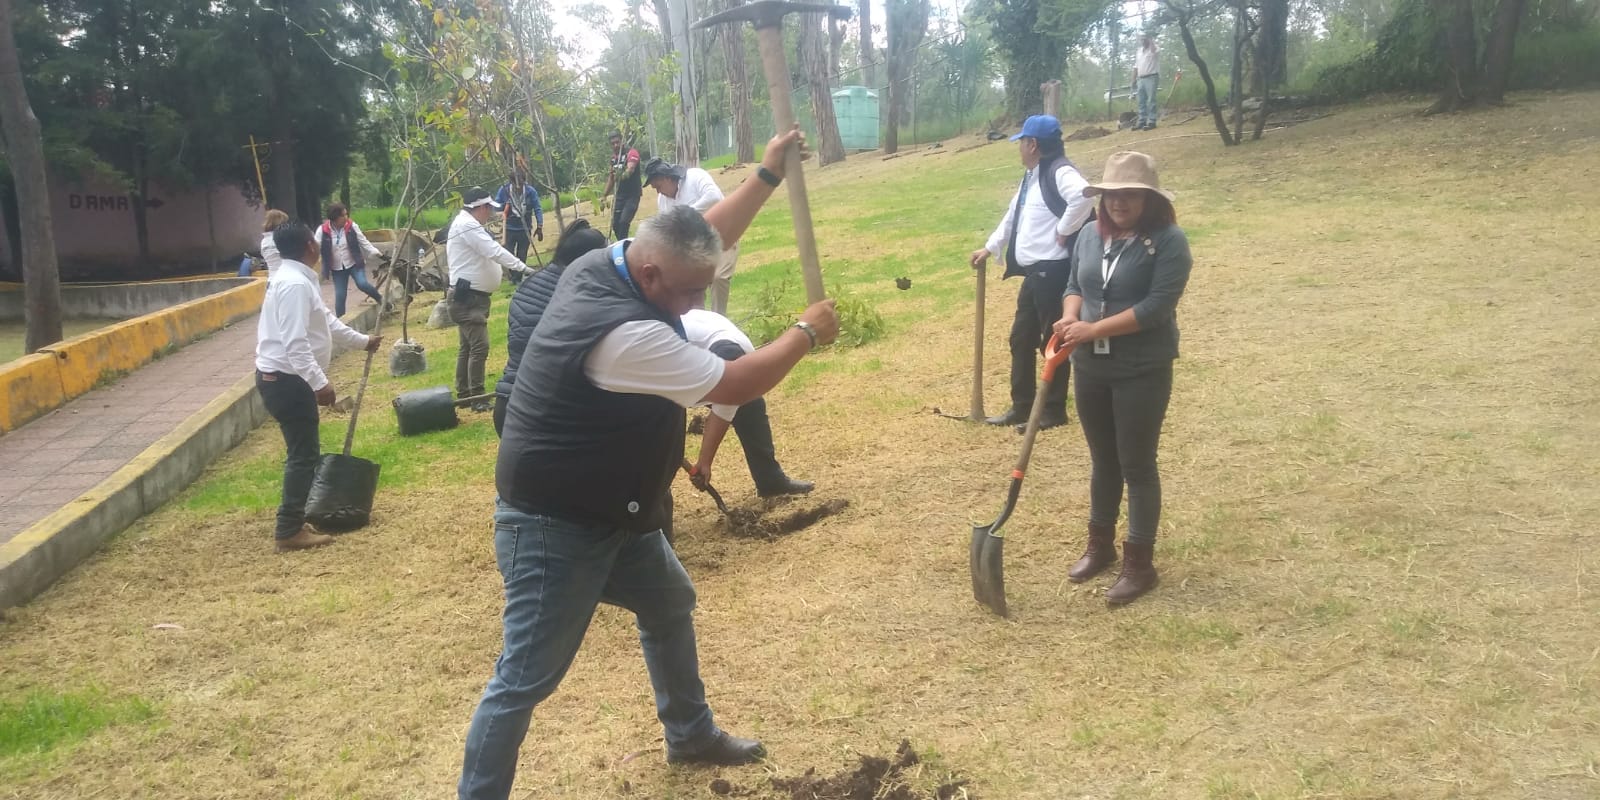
1272,45
814,64
869,53
1498,50
907,23
1460,87
835,45
41,280
1184,16
1236,89
1113,38
738,89
686,132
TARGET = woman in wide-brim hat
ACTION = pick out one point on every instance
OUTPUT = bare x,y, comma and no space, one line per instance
1119,313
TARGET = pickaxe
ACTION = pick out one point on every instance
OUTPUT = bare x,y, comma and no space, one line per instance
767,16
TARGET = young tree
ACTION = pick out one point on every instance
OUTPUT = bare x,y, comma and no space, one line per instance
1183,12
868,53
732,37
24,152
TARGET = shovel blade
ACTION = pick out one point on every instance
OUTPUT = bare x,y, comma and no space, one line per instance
988,569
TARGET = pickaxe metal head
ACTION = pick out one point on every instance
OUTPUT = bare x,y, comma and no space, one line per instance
770,13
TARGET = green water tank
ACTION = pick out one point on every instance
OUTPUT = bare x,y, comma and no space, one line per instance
856,108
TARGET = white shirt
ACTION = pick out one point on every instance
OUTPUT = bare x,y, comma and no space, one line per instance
342,259
473,254
706,328
1036,240
1147,62
297,332
269,253
648,357
697,190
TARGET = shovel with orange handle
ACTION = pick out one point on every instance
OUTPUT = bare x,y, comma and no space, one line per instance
988,547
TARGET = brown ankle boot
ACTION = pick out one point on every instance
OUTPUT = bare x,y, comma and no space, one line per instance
304,540
1101,552
1138,574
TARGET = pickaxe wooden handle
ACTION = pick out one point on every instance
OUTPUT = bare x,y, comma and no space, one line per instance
767,16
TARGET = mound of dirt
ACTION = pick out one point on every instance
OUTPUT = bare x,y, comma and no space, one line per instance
1087,132
875,779
753,523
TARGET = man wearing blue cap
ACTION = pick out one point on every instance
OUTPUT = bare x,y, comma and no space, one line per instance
1037,235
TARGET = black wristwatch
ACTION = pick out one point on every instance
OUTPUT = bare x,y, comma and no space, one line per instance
767,176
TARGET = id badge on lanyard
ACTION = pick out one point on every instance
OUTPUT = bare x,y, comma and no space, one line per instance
1108,267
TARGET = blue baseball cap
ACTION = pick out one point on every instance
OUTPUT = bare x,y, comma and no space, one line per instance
1039,126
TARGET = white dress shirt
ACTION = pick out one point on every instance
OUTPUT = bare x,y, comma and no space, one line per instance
342,259
297,332
649,357
475,255
706,328
697,190
1036,239
1148,62
269,253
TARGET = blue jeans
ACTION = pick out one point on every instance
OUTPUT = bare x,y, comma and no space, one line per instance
341,287
556,572
1146,89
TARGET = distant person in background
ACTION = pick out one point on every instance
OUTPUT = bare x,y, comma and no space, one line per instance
520,198
529,302
269,250
295,337
344,252
624,177
1146,78
677,185
477,268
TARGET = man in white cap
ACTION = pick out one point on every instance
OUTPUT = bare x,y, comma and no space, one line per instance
1037,235
476,262
677,185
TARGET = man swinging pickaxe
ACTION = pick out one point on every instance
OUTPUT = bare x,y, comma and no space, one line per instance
767,16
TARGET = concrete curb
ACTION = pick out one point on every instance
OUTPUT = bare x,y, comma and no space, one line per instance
34,385
51,547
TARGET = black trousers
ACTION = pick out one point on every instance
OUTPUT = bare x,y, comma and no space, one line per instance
1121,421
755,430
517,243
1038,308
291,402
622,216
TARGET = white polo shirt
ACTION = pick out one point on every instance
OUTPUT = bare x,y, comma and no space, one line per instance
475,255
706,328
697,190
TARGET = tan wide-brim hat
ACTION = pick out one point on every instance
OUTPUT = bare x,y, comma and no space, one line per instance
1129,170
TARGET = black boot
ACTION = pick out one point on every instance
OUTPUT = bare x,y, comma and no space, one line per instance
722,749
1101,552
1138,574
1016,415
784,485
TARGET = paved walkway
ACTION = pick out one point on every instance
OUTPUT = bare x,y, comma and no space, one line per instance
50,461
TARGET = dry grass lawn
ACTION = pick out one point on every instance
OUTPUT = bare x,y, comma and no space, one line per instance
1380,470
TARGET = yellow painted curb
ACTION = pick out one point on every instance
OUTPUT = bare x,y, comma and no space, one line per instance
35,558
27,390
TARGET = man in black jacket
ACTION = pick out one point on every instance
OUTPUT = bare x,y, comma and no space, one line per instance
529,302
593,439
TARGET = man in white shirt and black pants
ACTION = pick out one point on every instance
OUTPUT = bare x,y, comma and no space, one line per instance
475,261
1037,235
294,343
677,185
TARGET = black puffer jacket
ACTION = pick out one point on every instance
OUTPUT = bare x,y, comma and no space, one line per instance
527,307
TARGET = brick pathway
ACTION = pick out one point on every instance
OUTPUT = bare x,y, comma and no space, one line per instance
53,459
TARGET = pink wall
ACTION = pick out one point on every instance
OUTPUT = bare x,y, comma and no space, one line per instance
95,234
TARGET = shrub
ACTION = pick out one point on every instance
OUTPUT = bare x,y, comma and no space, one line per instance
775,311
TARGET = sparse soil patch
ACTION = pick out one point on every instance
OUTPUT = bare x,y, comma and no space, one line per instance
767,523
876,778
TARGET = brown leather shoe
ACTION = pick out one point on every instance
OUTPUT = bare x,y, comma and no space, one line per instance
304,540
1101,552
1138,574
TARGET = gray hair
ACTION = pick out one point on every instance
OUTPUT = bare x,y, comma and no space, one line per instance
683,232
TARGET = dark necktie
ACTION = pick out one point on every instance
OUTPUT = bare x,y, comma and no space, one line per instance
1016,220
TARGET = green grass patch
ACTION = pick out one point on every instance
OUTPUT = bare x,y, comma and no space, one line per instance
40,721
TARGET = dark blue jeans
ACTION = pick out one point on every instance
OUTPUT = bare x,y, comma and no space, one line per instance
556,572
341,287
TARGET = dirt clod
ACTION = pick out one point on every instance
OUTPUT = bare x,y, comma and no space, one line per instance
721,786
1087,132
